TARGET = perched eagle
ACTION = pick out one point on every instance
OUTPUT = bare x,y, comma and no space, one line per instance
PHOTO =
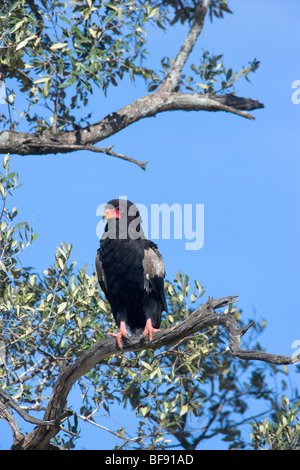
130,271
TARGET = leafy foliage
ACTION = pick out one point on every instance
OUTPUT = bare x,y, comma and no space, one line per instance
181,396
282,433
212,73
183,11
215,78
55,46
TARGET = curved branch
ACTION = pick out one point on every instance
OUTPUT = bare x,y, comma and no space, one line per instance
22,143
203,317
6,400
8,417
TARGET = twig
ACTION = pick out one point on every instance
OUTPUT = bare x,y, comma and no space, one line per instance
71,147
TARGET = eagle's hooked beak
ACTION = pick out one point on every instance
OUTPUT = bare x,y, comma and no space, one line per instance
113,213
106,215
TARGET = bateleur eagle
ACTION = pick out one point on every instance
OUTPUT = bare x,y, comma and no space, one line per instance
130,271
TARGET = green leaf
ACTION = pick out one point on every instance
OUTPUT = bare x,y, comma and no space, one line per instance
23,43
146,365
68,83
184,410
2,190
42,80
59,45
17,26
120,14
2,266
32,279
62,307
5,162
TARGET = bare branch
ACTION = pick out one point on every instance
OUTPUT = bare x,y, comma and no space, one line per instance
22,143
7,400
8,417
107,151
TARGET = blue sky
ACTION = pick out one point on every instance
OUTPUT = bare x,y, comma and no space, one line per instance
245,173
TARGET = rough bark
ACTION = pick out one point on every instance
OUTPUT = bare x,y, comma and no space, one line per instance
203,317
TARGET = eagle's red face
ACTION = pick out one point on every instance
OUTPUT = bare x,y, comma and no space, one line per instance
113,213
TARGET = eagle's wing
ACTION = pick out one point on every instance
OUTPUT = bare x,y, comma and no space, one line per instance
154,272
101,273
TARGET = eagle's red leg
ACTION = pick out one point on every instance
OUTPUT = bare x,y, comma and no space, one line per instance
122,332
149,329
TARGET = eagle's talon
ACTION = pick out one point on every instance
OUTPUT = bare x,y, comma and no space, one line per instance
149,329
121,332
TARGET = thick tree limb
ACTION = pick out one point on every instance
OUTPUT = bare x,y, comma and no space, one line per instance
22,143
203,317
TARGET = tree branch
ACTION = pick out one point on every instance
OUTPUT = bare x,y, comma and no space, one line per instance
22,143
7,400
62,148
203,317
8,417
174,74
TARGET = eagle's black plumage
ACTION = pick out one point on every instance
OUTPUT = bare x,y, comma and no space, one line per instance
130,270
